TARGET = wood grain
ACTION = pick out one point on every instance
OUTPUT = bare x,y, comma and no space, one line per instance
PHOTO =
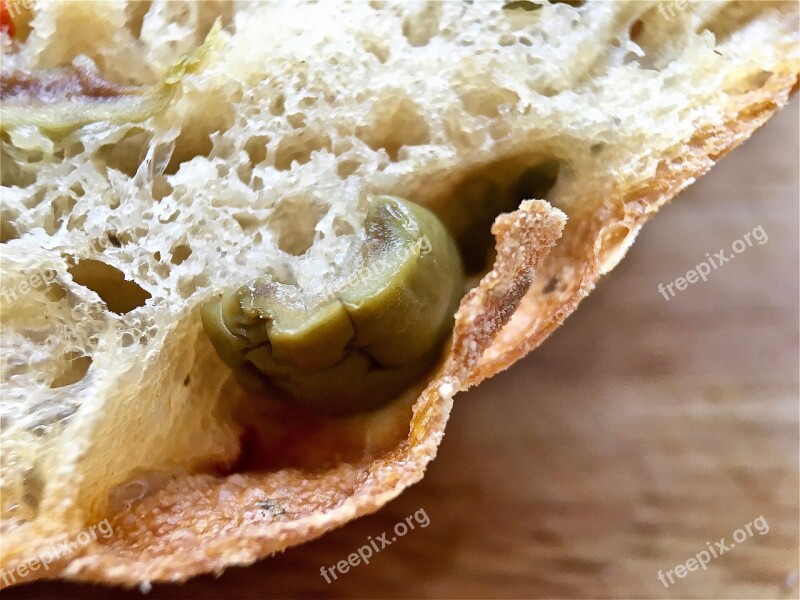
640,431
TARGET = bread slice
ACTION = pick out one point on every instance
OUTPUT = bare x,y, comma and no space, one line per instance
114,405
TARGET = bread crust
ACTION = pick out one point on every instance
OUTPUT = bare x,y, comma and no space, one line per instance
205,523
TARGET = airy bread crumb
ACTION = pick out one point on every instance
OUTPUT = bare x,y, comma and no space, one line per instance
262,162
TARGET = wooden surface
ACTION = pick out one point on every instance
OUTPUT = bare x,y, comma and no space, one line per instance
640,431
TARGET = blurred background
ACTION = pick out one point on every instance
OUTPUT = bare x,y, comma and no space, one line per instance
642,430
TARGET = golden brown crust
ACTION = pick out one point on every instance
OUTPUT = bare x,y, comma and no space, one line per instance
524,238
202,523
591,240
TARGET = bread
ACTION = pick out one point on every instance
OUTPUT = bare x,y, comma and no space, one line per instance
114,406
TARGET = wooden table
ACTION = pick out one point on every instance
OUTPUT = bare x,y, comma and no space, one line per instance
640,431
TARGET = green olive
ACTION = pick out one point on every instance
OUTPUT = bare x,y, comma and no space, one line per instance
364,339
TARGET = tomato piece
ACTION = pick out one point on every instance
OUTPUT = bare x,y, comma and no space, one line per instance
5,19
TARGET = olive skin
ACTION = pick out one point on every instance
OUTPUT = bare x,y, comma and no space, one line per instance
363,341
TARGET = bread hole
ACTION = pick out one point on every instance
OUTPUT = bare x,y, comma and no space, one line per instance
307,102
294,222
419,27
72,368
342,145
615,239
188,287
296,120
597,148
342,226
113,240
247,222
180,253
648,46
487,191
149,334
12,173
73,149
734,17
60,209
76,222
500,129
15,169
119,294
211,116
134,16
160,269
377,48
236,95
572,3
161,188
126,154
395,121
55,292
298,148
751,83
256,148
759,80
484,98
123,238
507,40
277,105
636,29
347,167
522,14
36,198
522,5
169,217
551,285
245,173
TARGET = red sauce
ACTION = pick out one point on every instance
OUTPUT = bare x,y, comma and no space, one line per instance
6,23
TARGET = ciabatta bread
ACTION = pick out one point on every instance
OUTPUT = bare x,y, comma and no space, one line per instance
114,404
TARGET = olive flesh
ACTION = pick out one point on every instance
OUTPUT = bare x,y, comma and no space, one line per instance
366,338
